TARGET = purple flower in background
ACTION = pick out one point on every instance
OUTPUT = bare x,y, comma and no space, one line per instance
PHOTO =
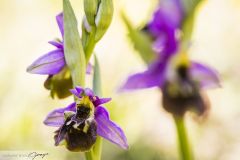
165,26
181,85
181,82
83,120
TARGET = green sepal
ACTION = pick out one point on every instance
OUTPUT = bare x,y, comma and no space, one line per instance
97,78
59,84
103,18
141,41
73,49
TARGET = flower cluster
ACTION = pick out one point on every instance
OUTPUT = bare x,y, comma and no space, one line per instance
80,123
180,79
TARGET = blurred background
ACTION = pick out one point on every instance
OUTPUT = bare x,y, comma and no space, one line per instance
25,28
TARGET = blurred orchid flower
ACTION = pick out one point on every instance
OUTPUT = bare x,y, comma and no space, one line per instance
179,79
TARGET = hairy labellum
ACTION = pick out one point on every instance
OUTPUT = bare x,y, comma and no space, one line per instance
183,94
77,134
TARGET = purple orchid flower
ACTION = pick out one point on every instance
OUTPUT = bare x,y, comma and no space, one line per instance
53,62
181,83
83,120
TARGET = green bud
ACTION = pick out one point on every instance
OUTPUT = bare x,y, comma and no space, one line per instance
90,8
103,18
86,29
59,84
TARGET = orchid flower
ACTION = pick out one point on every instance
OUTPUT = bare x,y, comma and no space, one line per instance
53,64
81,122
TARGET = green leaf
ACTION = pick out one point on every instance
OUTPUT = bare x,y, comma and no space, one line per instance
97,78
141,42
73,49
190,5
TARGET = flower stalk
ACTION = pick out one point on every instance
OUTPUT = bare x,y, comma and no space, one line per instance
184,147
78,79
96,152
90,44
84,51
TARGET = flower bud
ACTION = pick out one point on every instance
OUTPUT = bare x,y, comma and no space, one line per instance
103,18
86,29
90,8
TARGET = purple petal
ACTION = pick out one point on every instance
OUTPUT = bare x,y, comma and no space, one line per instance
56,44
165,24
108,129
79,89
89,68
56,117
59,135
76,93
206,76
153,77
168,17
50,63
59,19
98,101
89,92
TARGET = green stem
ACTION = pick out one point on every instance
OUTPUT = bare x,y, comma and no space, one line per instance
90,45
184,147
96,152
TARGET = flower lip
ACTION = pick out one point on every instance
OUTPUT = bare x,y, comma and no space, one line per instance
78,135
183,93
182,97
